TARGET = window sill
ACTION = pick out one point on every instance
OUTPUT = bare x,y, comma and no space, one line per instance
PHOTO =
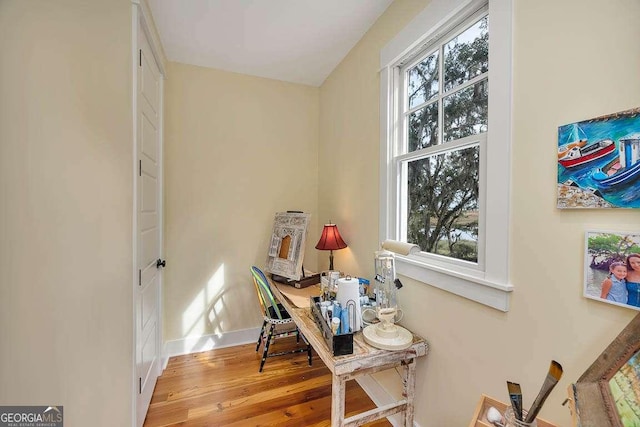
492,294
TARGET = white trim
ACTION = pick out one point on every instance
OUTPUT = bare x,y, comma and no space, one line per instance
134,272
492,294
490,286
499,161
434,21
387,177
163,358
209,342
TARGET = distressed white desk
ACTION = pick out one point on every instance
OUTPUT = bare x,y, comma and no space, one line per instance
365,360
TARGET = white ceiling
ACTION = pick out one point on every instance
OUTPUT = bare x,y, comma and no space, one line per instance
299,41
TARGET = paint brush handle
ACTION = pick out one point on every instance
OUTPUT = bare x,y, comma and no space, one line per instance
515,396
516,403
545,391
550,381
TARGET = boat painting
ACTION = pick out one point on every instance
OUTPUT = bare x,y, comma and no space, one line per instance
623,170
578,156
601,174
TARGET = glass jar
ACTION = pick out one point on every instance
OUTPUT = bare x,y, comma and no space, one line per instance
510,419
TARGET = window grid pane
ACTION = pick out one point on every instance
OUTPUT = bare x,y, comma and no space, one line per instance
423,127
423,80
442,203
466,111
467,55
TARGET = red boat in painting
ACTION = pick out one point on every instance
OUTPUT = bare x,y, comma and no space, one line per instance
577,156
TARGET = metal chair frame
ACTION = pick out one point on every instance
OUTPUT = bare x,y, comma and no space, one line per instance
274,315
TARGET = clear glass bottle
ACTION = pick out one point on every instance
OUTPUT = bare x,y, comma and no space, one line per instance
510,419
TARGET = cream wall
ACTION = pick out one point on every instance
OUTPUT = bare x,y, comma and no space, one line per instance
66,208
237,150
572,60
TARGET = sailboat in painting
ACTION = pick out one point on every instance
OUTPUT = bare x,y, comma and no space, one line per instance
625,168
577,138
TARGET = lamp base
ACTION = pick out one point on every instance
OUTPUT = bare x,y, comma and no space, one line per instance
400,341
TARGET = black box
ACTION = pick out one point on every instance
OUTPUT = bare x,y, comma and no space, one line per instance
301,283
339,344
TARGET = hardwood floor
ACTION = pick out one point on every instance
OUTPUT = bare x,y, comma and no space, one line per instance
224,388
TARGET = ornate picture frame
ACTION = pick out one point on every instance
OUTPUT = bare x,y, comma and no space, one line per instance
608,393
286,246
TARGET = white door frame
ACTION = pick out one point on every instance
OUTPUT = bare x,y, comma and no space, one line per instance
141,20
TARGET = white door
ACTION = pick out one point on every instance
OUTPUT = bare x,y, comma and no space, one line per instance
149,244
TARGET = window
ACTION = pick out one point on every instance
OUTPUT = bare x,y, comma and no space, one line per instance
444,100
445,112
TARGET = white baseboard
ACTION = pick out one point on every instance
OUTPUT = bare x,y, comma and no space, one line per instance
380,397
208,342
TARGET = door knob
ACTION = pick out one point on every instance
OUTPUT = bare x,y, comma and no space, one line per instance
161,263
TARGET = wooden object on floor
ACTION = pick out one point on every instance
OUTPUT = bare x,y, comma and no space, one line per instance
480,416
365,360
223,388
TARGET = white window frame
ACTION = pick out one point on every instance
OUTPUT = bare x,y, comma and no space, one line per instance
488,281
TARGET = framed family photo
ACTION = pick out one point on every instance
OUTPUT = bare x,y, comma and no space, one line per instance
612,267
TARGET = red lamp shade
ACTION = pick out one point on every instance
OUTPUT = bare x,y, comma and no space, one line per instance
330,241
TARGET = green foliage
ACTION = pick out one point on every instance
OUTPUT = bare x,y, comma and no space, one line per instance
612,244
605,248
465,250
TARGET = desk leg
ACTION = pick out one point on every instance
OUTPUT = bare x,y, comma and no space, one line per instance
409,389
337,400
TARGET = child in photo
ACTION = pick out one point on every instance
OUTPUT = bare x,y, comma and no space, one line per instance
614,287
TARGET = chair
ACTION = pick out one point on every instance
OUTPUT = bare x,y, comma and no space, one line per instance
279,322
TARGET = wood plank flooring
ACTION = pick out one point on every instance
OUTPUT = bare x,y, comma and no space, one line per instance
224,388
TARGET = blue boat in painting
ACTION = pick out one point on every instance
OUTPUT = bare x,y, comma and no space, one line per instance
625,168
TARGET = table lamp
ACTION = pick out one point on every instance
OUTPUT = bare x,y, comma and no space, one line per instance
330,241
